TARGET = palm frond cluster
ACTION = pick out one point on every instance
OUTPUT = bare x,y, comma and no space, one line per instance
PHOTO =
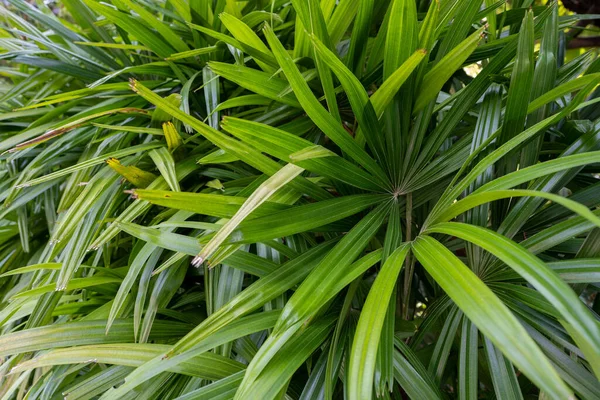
305,199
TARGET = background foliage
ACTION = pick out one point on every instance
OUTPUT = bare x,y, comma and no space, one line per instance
390,199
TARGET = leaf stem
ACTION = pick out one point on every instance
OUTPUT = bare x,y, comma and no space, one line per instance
409,261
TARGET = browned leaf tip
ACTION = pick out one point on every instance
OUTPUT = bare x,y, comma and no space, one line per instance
44,137
132,84
132,193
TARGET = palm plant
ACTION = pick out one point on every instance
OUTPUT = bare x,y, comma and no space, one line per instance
382,198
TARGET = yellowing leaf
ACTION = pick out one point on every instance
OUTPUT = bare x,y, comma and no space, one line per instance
132,174
171,135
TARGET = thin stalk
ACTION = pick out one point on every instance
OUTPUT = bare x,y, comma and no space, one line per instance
409,261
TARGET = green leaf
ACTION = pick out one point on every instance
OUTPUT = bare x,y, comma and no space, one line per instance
282,145
359,37
412,375
564,89
245,35
435,78
402,35
359,100
146,256
489,314
31,268
310,16
317,113
166,165
361,367
140,31
476,199
278,372
547,282
243,260
452,192
78,283
222,389
246,153
151,20
201,203
544,78
519,93
258,197
192,53
467,366
138,207
384,95
69,334
160,361
319,287
302,218
401,41
257,54
582,270
541,169
502,372
207,366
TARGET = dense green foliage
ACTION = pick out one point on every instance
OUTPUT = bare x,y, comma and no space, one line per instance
275,199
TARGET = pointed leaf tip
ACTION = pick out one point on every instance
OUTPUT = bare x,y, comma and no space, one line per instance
197,261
